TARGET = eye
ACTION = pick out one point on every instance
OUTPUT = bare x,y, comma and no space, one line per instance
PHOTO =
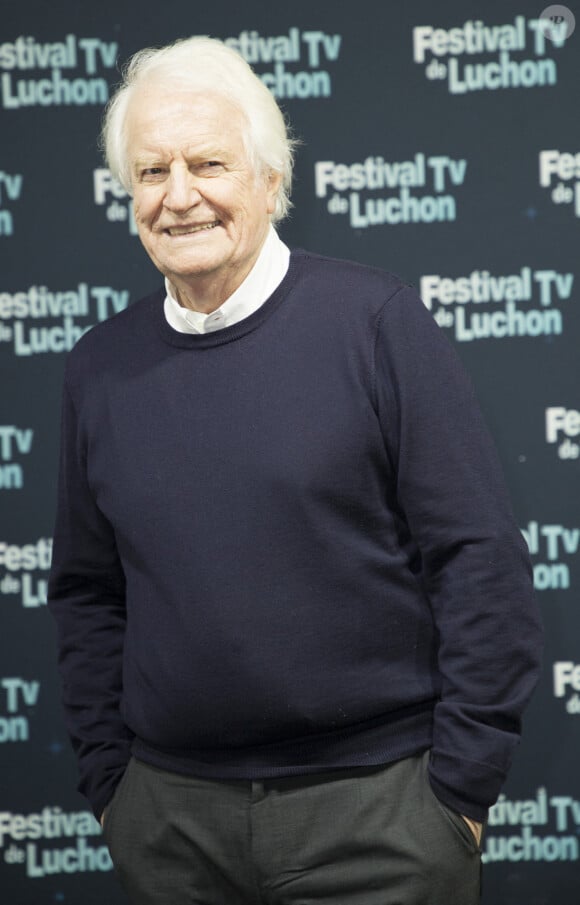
211,166
150,174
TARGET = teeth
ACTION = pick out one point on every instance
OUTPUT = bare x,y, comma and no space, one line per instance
186,230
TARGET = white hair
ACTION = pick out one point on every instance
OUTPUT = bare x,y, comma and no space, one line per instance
208,65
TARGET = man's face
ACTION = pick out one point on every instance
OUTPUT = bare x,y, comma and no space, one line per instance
201,211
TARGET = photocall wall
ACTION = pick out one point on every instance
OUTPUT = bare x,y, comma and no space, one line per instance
438,141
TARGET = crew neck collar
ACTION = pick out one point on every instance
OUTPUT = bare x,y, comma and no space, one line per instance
234,331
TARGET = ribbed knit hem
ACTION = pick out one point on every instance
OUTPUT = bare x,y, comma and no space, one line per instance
367,744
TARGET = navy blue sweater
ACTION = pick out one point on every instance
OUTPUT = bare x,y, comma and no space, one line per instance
286,546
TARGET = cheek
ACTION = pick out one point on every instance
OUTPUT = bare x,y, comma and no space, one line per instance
137,210
144,228
143,209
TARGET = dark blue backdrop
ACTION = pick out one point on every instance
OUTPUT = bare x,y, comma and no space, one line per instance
440,142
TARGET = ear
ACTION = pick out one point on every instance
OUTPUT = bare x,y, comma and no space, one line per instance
272,186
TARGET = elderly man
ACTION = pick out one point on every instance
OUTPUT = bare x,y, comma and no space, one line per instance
296,621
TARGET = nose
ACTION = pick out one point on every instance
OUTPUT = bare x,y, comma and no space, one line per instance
181,192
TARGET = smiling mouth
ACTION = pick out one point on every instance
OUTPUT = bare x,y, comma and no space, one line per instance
189,230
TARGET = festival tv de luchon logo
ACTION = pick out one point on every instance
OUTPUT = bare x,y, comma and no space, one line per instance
480,56
60,73
374,191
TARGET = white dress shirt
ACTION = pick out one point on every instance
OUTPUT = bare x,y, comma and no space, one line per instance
264,277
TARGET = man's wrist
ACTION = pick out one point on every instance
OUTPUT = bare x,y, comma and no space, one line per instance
475,827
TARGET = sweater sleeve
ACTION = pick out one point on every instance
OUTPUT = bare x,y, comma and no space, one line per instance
86,596
475,566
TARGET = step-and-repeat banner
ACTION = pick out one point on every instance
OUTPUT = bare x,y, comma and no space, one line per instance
440,141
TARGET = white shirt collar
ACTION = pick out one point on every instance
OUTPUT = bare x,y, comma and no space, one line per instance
264,277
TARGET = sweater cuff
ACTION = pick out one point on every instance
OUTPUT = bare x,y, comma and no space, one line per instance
465,786
99,780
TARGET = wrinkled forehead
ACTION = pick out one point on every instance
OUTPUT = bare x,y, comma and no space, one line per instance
152,101
172,115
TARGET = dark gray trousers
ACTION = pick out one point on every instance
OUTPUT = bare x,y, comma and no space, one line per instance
366,836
